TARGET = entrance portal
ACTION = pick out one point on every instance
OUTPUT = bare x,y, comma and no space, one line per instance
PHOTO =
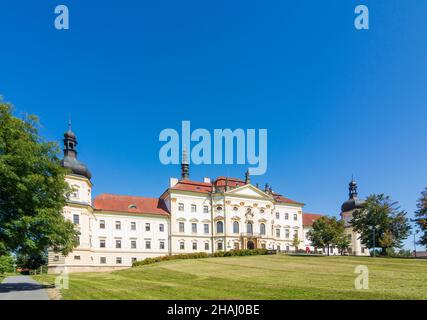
250,245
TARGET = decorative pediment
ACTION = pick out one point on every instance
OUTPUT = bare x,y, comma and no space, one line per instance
249,191
262,220
235,218
206,221
219,217
194,220
181,219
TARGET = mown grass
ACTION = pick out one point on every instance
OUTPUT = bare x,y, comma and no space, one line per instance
254,277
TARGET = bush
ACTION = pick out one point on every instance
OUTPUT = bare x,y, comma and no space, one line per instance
7,264
201,255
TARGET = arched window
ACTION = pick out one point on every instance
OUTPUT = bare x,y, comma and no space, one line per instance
220,227
235,227
262,228
249,228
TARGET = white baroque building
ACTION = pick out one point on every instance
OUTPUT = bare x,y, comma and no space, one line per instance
190,216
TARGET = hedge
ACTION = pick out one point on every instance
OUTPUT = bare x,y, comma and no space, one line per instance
201,255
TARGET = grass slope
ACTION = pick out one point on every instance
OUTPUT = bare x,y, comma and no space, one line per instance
254,277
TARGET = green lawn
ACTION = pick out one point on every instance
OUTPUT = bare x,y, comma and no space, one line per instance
254,277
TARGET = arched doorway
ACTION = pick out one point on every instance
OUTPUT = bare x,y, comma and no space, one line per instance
250,245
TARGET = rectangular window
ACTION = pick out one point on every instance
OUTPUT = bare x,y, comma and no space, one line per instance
286,216
101,224
295,217
76,257
118,260
205,209
147,227
162,245
181,227
206,245
181,245
206,228
194,245
219,245
194,227
103,260
277,215
287,233
161,227
180,207
134,260
76,219
278,233
133,244
77,240
118,244
102,243
193,208
118,225
56,258
133,226
147,244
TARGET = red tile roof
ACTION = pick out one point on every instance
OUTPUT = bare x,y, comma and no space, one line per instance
280,198
195,186
117,203
309,218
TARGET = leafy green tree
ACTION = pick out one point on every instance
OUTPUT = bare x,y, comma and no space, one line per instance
326,232
382,216
32,190
421,215
7,263
296,241
342,243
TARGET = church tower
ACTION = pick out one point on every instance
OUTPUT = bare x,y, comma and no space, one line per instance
347,208
78,209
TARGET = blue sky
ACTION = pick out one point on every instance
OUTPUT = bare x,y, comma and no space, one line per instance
336,101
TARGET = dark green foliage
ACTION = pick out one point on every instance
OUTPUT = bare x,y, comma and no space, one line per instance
421,215
32,190
390,223
31,262
200,255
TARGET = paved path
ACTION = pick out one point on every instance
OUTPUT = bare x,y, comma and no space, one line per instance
22,288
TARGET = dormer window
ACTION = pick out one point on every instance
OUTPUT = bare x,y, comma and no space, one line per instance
235,208
219,208
132,206
261,211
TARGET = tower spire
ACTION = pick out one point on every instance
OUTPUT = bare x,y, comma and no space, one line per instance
352,189
185,167
247,177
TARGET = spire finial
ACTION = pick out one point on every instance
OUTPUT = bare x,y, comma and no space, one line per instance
247,177
352,188
185,167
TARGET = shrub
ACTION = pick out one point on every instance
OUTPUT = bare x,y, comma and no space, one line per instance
201,255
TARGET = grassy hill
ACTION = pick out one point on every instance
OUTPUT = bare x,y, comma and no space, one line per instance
254,277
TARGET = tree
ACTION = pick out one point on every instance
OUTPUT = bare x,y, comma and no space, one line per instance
381,216
342,243
6,263
31,261
421,215
326,232
296,241
33,191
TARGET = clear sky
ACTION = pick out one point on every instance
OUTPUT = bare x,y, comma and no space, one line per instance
336,101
